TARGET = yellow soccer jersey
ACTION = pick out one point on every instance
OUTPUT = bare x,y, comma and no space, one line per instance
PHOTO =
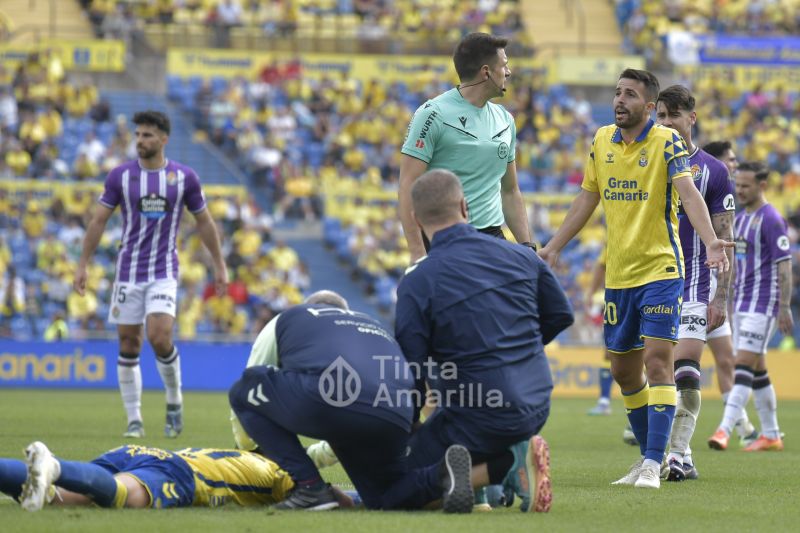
635,186
236,476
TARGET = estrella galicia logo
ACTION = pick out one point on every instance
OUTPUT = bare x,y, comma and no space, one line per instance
502,150
741,247
339,384
153,206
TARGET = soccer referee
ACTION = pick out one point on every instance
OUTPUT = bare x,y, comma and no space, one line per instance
463,132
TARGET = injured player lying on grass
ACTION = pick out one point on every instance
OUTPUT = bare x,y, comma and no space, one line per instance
140,477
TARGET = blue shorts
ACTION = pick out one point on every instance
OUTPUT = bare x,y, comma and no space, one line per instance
165,476
652,310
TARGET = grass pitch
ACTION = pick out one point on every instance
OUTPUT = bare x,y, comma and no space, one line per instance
736,491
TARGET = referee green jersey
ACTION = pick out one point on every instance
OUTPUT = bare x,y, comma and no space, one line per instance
475,143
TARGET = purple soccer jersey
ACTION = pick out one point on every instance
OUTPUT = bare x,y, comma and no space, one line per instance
152,204
762,241
711,178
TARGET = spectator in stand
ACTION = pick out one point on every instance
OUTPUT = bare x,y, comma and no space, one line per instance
92,147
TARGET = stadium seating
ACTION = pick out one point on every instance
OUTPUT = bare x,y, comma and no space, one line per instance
265,276
313,25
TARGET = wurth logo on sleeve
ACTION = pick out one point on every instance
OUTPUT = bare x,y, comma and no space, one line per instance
420,143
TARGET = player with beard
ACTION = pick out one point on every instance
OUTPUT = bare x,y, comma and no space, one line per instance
639,170
719,340
700,314
151,192
762,302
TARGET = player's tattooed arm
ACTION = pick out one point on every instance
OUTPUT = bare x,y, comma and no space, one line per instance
723,227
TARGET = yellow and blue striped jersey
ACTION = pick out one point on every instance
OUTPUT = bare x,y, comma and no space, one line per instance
635,186
235,476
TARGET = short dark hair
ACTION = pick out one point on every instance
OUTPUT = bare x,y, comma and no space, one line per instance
474,51
649,80
436,197
676,98
152,118
717,148
757,167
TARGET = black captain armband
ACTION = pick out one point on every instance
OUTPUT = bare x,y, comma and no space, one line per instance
531,245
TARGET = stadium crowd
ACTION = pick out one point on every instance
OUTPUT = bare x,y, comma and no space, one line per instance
645,24
55,131
376,20
330,146
40,240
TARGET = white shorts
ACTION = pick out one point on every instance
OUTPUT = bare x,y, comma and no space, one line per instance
132,302
752,332
693,321
725,329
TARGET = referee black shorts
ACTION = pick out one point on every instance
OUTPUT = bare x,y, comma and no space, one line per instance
494,231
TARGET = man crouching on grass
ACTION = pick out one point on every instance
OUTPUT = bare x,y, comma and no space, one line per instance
481,310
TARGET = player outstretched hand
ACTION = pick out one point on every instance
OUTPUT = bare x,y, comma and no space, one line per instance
716,256
79,283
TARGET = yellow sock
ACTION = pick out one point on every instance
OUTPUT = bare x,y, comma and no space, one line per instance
121,496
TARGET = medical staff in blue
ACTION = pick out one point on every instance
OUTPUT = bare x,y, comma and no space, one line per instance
324,371
478,311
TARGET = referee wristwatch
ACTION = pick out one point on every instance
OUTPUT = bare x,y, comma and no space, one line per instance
531,245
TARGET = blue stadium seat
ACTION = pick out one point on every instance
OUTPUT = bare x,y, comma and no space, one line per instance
174,84
41,326
194,82
315,154
21,327
384,289
330,226
219,84
527,183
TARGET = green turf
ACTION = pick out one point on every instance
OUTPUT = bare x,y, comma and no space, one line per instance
736,491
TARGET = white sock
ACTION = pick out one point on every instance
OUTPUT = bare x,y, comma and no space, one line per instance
129,375
743,426
767,406
735,406
684,423
170,370
649,463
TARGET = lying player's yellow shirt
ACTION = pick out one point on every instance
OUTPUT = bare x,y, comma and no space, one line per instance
236,476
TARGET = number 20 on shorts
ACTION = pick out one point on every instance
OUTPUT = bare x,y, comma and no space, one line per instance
610,313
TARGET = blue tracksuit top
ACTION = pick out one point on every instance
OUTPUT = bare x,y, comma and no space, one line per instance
482,309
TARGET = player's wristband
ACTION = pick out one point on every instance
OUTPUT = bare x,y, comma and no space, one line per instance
531,245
